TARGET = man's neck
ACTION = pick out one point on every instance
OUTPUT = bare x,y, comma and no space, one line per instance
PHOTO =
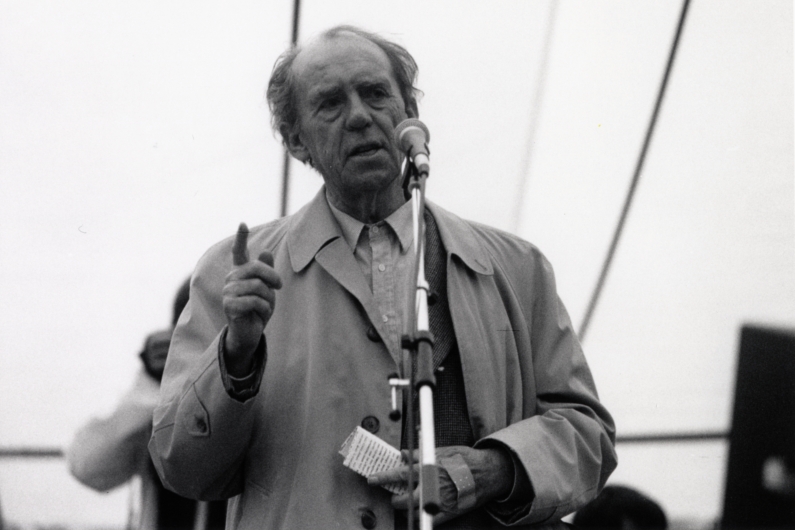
368,208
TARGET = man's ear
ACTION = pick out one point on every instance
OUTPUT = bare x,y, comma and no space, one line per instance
294,144
412,110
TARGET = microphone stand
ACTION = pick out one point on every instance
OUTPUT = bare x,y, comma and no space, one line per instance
419,343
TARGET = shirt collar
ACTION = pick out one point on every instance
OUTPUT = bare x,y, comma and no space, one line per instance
399,220
351,228
402,224
314,226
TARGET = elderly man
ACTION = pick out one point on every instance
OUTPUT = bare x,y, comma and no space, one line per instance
258,397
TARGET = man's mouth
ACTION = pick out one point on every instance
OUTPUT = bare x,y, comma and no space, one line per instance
364,150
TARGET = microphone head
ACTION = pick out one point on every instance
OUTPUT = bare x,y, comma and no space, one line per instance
411,132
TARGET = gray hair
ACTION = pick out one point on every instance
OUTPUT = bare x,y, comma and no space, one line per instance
281,87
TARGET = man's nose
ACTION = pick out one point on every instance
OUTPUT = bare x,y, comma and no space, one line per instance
358,114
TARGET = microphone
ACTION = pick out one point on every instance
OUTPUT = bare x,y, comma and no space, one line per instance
412,136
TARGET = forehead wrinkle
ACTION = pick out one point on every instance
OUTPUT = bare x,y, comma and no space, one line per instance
314,59
365,80
373,81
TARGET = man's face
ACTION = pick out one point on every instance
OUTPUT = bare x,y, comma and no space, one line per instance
348,106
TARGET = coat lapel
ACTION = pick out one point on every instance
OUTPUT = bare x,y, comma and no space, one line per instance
337,259
315,234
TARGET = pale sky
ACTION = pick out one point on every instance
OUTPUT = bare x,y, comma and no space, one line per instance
135,135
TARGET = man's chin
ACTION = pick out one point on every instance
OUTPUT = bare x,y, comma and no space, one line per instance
372,174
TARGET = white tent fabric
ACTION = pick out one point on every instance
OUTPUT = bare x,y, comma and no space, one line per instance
135,135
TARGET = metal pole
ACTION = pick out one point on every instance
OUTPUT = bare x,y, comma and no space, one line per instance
420,344
427,441
635,177
286,160
535,120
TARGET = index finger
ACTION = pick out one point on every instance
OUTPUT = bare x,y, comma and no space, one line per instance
240,248
390,476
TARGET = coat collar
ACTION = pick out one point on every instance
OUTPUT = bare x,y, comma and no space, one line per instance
314,226
459,238
311,228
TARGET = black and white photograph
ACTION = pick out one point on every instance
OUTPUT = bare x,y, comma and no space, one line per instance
452,264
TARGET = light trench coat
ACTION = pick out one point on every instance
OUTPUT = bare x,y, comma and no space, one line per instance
276,455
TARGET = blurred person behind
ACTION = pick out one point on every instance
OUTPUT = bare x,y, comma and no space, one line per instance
621,508
108,452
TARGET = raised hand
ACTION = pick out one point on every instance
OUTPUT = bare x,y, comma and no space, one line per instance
249,298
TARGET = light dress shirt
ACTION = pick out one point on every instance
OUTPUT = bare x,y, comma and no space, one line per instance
383,251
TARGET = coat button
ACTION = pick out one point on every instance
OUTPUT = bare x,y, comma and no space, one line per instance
369,520
201,425
371,423
373,335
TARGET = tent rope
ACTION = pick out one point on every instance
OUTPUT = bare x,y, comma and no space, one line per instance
635,178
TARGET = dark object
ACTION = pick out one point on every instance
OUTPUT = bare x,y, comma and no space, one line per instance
371,423
157,344
762,440
430,485
180,301
620,507
369,520
693,436
178,513
155,352
373,335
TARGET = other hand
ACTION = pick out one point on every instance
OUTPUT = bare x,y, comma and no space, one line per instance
491,468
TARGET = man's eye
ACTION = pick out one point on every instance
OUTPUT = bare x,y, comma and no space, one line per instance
330,103
377,93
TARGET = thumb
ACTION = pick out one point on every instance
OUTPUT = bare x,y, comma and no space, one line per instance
266,257
240,248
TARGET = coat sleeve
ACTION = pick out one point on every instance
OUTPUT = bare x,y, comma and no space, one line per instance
107,452
565,443
200,433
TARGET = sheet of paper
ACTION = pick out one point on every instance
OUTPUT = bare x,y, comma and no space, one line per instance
366,453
